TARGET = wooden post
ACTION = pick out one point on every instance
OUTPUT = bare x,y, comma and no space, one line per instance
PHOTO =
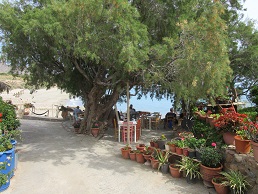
128,113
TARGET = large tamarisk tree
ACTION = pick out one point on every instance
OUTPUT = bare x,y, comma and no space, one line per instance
92,48
89,48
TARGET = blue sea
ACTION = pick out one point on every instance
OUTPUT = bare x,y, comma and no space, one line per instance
145,104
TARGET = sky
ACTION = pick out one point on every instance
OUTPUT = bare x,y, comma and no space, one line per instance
251,6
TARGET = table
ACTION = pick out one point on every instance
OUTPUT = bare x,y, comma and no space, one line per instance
120,124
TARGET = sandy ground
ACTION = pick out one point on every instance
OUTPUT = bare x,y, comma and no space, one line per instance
55,160
42,99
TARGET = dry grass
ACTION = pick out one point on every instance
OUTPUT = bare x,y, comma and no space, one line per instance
14,82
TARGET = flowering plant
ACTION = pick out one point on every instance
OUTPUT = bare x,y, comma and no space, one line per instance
248,130
230,120
95,124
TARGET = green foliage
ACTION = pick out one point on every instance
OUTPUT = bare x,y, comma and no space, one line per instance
4,177
236,181
211,157
250,112
191,142
253,96
191,167
9,120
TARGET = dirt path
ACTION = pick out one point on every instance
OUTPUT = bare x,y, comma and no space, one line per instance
54,160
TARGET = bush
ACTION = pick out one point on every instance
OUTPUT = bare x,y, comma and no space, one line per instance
9,121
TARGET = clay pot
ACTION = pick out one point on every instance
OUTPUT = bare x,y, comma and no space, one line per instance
125,153
220,189
132,156
154,163
140,147
95,132
140,158
179,151
228,138
209,173
174,171
242,146
172,148
185,152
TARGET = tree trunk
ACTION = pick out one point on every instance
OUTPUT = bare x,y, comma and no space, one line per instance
97,107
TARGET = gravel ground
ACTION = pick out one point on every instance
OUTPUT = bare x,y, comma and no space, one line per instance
54,160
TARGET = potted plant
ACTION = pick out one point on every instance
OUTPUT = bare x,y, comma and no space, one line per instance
154,159
140,146
219,186
162,141
139,156
9,132
242,139
228,123
95,128
179,147
210,164
199,145
163,161
191,142
236,181
147,153
125,151
172,145
132,155
191,169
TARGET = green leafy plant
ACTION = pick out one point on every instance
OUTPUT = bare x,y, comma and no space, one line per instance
191,142
191,167
163,137
180,143
127,147
211,157
236,181
8,121
4,177
162,158
200,143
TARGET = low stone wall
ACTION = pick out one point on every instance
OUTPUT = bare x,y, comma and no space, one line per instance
246,164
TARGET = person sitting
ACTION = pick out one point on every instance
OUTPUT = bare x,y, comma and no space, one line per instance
133,113
76,113
170,119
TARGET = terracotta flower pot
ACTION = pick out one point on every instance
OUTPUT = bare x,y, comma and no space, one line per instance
185,152
132,156
95,132
220,189
154,163
174,171
172,148
152,144
242,146
140,158
209,173
147,157
179,151
140,147
228,138
125,153
255,150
